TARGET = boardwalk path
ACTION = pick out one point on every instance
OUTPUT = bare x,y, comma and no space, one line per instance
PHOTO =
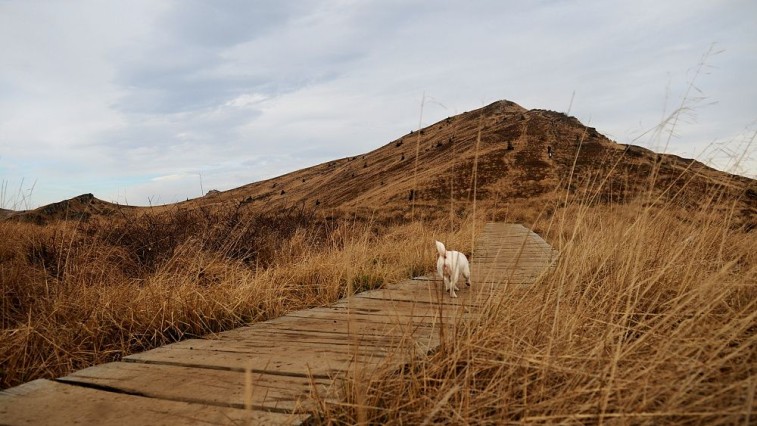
274,368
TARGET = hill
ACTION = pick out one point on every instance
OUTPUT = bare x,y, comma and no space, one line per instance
503,154
81,207
508,164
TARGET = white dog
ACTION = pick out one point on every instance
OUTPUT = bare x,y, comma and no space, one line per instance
449,266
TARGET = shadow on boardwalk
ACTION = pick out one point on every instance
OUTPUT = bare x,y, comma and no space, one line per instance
269,372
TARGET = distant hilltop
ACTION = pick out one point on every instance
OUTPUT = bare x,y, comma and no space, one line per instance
81,207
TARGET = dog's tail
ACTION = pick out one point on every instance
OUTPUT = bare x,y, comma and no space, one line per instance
440,248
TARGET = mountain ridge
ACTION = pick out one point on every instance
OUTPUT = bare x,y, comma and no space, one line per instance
500,153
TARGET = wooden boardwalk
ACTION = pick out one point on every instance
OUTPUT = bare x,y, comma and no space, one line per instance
275,372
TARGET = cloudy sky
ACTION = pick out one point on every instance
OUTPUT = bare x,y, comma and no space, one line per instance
153,101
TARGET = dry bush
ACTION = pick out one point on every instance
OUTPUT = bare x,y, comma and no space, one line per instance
649,317
78,294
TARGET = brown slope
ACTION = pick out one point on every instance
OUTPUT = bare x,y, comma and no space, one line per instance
512,164
79,208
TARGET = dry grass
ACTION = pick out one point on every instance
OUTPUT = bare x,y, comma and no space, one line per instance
79,294
650,317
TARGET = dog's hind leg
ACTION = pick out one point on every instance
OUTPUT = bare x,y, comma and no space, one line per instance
453,285
449,284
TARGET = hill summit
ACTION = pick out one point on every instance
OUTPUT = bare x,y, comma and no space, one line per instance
501,153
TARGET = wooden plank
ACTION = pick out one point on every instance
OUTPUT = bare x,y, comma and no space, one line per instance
335,328
322,363
220,388
45,402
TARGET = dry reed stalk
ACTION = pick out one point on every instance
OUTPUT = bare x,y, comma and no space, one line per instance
417,154
475,177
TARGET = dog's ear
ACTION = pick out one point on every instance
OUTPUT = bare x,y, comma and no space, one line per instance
440,248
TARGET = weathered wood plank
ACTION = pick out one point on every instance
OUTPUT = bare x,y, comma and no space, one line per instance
221,388
290,360
45,402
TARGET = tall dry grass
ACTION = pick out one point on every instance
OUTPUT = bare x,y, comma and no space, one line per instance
649,317
79,294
